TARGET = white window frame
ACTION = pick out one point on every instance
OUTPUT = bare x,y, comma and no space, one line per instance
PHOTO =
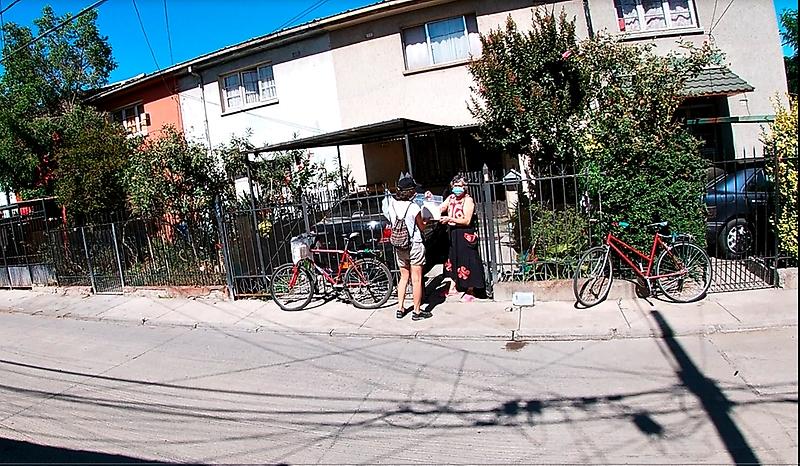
667,17
429,46
267,91
138,126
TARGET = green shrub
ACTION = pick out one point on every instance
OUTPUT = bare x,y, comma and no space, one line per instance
781,145
548,234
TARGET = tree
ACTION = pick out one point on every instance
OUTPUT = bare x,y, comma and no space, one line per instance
781,144
172,176
90,158
789,37
640,159
42,82
605,105
527,96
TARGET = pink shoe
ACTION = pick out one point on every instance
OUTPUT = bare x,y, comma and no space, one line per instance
468,298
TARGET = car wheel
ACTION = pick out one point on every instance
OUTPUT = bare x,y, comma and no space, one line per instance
737,239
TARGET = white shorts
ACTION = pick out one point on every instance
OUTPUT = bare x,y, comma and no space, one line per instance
413,256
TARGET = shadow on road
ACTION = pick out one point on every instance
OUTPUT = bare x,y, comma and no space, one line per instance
16,451
715,403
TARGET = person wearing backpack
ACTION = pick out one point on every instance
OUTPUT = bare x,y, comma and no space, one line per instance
405,217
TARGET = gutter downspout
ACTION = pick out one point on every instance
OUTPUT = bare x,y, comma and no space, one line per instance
587,12
202,86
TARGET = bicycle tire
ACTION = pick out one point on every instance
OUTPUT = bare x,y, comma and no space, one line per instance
368,283
282,291
699,272
593,268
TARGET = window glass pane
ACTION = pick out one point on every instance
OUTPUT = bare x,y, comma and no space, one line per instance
416,48
250,82
627,15
233,96
680,13
653,14
267,83
474,37
449,40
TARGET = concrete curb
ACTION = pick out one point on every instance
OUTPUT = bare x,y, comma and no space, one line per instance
512,335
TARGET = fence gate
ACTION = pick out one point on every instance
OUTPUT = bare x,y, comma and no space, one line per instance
104,259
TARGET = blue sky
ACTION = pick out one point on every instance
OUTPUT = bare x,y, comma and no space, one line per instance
196,27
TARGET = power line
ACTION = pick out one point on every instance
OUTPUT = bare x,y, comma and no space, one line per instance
721,16
55,28
146,40
9,6
302,13
169,36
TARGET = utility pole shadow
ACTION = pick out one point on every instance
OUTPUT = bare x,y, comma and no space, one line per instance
711,397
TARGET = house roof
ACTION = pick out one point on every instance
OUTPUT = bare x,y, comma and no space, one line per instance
380,8
716,81
375,132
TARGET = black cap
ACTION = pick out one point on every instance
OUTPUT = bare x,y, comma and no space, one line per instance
406,182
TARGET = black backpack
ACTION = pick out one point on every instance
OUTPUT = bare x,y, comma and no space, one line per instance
401,239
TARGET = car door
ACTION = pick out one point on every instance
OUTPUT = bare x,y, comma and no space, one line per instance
758,196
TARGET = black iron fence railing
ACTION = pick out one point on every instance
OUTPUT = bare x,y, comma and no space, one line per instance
532,227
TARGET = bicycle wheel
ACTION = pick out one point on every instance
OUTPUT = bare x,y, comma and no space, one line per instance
691,285
592,280
368,283
291,287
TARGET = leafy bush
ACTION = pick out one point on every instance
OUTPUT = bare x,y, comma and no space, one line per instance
640,160
526,97
548,234
781,145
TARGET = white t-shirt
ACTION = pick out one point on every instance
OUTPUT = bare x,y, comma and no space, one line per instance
398,208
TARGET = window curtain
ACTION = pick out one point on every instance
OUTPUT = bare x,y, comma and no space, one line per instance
680,14
449,40
250,81
233,96
266,82
416,48
628,15
653,14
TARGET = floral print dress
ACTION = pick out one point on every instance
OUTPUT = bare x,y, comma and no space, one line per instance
463,264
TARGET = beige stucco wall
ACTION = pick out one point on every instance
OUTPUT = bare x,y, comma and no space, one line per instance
373,84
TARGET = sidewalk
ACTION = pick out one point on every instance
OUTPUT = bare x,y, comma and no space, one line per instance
622,318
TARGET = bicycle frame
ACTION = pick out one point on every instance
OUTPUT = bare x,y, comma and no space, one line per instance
619,247
345,262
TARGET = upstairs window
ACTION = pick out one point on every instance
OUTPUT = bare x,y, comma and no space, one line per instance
133,119
654,15
439,42
248,87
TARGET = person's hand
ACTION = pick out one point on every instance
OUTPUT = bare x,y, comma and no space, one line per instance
444,219
428,195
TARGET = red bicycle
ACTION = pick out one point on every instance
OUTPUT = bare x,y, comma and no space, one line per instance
365,281
682,272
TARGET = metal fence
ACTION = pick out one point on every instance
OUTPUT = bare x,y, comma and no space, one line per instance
533,226
256,233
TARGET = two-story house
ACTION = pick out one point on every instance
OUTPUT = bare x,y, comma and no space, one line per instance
384,88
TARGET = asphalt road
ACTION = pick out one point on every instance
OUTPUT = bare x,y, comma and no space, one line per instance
98,392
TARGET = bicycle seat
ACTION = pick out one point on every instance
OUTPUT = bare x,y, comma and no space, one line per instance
658,225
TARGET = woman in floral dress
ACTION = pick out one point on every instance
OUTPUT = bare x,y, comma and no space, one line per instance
464,264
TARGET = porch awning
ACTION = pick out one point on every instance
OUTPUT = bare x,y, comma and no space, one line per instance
716,81
375,132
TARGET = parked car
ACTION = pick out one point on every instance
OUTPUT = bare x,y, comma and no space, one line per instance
357,213
739,207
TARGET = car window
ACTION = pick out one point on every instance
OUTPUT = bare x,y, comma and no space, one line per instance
759,182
